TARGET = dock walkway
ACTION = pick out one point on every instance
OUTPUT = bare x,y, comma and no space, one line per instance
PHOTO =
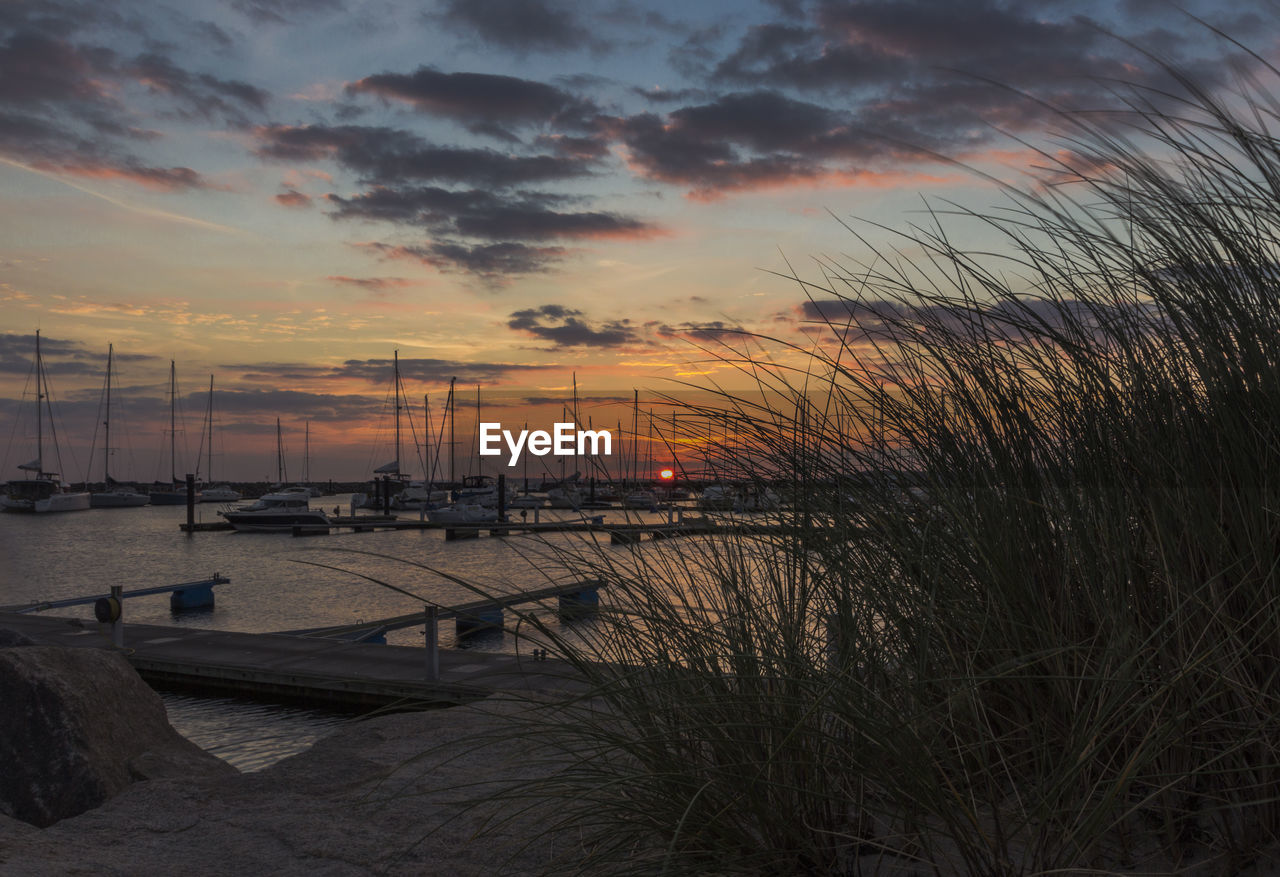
317,670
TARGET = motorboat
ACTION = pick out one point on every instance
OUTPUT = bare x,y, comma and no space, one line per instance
275,512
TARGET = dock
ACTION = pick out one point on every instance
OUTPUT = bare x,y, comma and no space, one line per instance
337,667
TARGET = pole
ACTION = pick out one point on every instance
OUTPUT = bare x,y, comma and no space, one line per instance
431,636
191,504
117,626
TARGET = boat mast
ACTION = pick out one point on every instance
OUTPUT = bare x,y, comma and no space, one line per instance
453,448
40,397
106,426
279,454
396,390
173,425
306,455
208,467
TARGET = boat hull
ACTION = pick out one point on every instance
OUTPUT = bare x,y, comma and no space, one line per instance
274,522
117,500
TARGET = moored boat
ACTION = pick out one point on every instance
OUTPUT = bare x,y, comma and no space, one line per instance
43,491
275,512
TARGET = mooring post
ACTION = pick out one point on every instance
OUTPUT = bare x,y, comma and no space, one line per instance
502,500
432,636
191,504
117,625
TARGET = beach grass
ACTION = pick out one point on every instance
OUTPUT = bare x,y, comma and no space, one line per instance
1018,613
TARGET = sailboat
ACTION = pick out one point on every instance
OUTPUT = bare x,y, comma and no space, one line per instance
43,492
112,495
176,491
214,492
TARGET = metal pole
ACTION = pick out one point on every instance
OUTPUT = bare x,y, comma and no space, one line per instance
432,635
117,626
191,504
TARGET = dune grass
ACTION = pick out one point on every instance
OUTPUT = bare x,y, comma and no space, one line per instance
1019,613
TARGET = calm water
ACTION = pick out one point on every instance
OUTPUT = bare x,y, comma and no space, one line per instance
275,585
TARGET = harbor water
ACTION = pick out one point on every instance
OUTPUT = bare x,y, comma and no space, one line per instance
277,582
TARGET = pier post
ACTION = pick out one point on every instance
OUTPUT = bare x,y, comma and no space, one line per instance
502,499
117,624
432,637
191,504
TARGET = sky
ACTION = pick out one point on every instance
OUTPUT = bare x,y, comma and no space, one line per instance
524,195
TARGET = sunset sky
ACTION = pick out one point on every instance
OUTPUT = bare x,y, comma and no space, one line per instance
282,193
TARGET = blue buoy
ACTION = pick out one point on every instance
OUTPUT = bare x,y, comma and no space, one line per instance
197,597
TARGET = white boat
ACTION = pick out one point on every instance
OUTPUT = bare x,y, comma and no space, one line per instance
463,513
527,501
416,496
717,497
220,493
640,499
275,512
43,491
566,496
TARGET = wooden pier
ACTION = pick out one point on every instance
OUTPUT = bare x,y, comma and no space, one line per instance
326,666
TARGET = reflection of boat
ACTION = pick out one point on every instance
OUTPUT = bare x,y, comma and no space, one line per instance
275,511
463,513
175,492
43,492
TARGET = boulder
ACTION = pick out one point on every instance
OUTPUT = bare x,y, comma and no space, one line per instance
79,726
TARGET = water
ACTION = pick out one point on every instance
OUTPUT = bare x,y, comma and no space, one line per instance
278,582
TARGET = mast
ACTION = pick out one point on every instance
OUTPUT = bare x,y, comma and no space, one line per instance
479,461
453,448
279,454
396,390
306,455
173,424
208,468
40,397
106,426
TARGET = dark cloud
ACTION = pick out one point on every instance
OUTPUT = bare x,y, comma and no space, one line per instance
377,285
63,102
197,94
493,264
519,25
392,156
485,103
481,214
564,327
284,11
715,330
379,372
745,140
60,356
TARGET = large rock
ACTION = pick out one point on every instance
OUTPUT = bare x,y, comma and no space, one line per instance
79,726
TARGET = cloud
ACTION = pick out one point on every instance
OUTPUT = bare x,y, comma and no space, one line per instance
390,156
284,11
519,25
493,264
486,103
564,327
197,94
378,372
293,198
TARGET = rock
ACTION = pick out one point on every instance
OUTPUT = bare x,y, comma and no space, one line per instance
11,639
78,727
